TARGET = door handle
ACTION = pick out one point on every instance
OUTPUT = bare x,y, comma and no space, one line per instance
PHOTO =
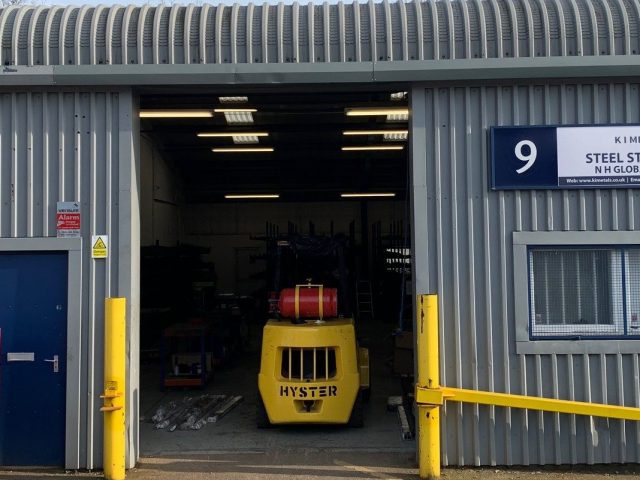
56,363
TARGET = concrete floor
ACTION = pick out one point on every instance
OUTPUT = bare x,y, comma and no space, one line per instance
237,433
285,464
235,449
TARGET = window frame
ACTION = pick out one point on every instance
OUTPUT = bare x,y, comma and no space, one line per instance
594,331
525,344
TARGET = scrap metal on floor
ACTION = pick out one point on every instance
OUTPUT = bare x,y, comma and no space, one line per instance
193,413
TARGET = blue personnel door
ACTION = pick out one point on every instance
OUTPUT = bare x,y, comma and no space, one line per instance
33,345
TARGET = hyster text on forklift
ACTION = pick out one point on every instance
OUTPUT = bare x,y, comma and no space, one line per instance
312,369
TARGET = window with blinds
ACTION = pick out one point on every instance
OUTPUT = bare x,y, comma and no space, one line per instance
584,292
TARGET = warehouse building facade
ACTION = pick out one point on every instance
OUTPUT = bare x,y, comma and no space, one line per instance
71,87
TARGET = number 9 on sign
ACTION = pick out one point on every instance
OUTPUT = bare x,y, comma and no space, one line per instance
530,159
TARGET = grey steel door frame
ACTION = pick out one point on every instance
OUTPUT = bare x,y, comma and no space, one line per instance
73,247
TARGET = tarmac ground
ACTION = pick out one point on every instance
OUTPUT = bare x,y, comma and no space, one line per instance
314,464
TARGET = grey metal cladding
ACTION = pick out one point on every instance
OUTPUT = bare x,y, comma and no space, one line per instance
69,146
464,243
355,32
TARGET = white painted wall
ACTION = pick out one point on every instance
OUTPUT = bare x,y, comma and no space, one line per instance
161,197
227,229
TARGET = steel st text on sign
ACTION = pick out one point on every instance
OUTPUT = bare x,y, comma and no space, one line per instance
565,157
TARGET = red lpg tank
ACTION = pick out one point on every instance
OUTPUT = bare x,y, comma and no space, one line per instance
308,302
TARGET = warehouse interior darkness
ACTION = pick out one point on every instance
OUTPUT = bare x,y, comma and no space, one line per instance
244,194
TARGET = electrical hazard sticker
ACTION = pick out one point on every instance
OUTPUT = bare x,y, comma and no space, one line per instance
99,246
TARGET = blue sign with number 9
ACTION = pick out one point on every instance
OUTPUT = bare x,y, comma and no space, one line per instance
523,158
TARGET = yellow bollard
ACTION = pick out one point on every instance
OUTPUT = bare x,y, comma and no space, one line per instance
114,388
429,377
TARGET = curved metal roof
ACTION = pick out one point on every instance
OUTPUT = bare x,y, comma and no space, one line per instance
357,32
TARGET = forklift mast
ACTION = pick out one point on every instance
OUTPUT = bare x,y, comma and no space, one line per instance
295,259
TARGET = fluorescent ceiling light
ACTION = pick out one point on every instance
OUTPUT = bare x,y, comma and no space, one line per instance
235,110
396,137
375,132
232,134
237,99
258,195
398,117
242,150
363,112
373,148
358,195
397,96
183,113
238,137
245,139
236,117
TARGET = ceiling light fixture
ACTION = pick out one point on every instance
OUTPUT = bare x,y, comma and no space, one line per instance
399,96
395,137
365,195
373,148
375,132
252,196
242,150
235,110
176,114
398,117
245,140
237,117
236,99
232,134
363,112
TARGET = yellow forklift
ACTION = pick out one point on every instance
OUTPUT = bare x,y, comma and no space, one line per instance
312,369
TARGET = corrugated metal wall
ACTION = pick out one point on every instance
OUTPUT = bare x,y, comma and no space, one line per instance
70,146
76,145
465,244
357,32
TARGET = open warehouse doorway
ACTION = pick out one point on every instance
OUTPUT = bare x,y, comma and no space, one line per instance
245,194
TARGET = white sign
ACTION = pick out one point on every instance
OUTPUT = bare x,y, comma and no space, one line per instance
99,246
598,156
21,357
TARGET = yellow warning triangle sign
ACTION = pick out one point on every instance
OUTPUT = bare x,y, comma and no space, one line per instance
99,245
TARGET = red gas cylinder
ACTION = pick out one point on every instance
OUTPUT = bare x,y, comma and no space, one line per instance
308,302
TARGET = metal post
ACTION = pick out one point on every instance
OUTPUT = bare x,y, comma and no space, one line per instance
114,388
429,377
430,395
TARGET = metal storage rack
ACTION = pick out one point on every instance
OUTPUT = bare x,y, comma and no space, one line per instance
187,355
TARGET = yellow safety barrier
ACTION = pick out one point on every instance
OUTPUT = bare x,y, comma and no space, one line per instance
439,396
430,395
114,388
428,376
